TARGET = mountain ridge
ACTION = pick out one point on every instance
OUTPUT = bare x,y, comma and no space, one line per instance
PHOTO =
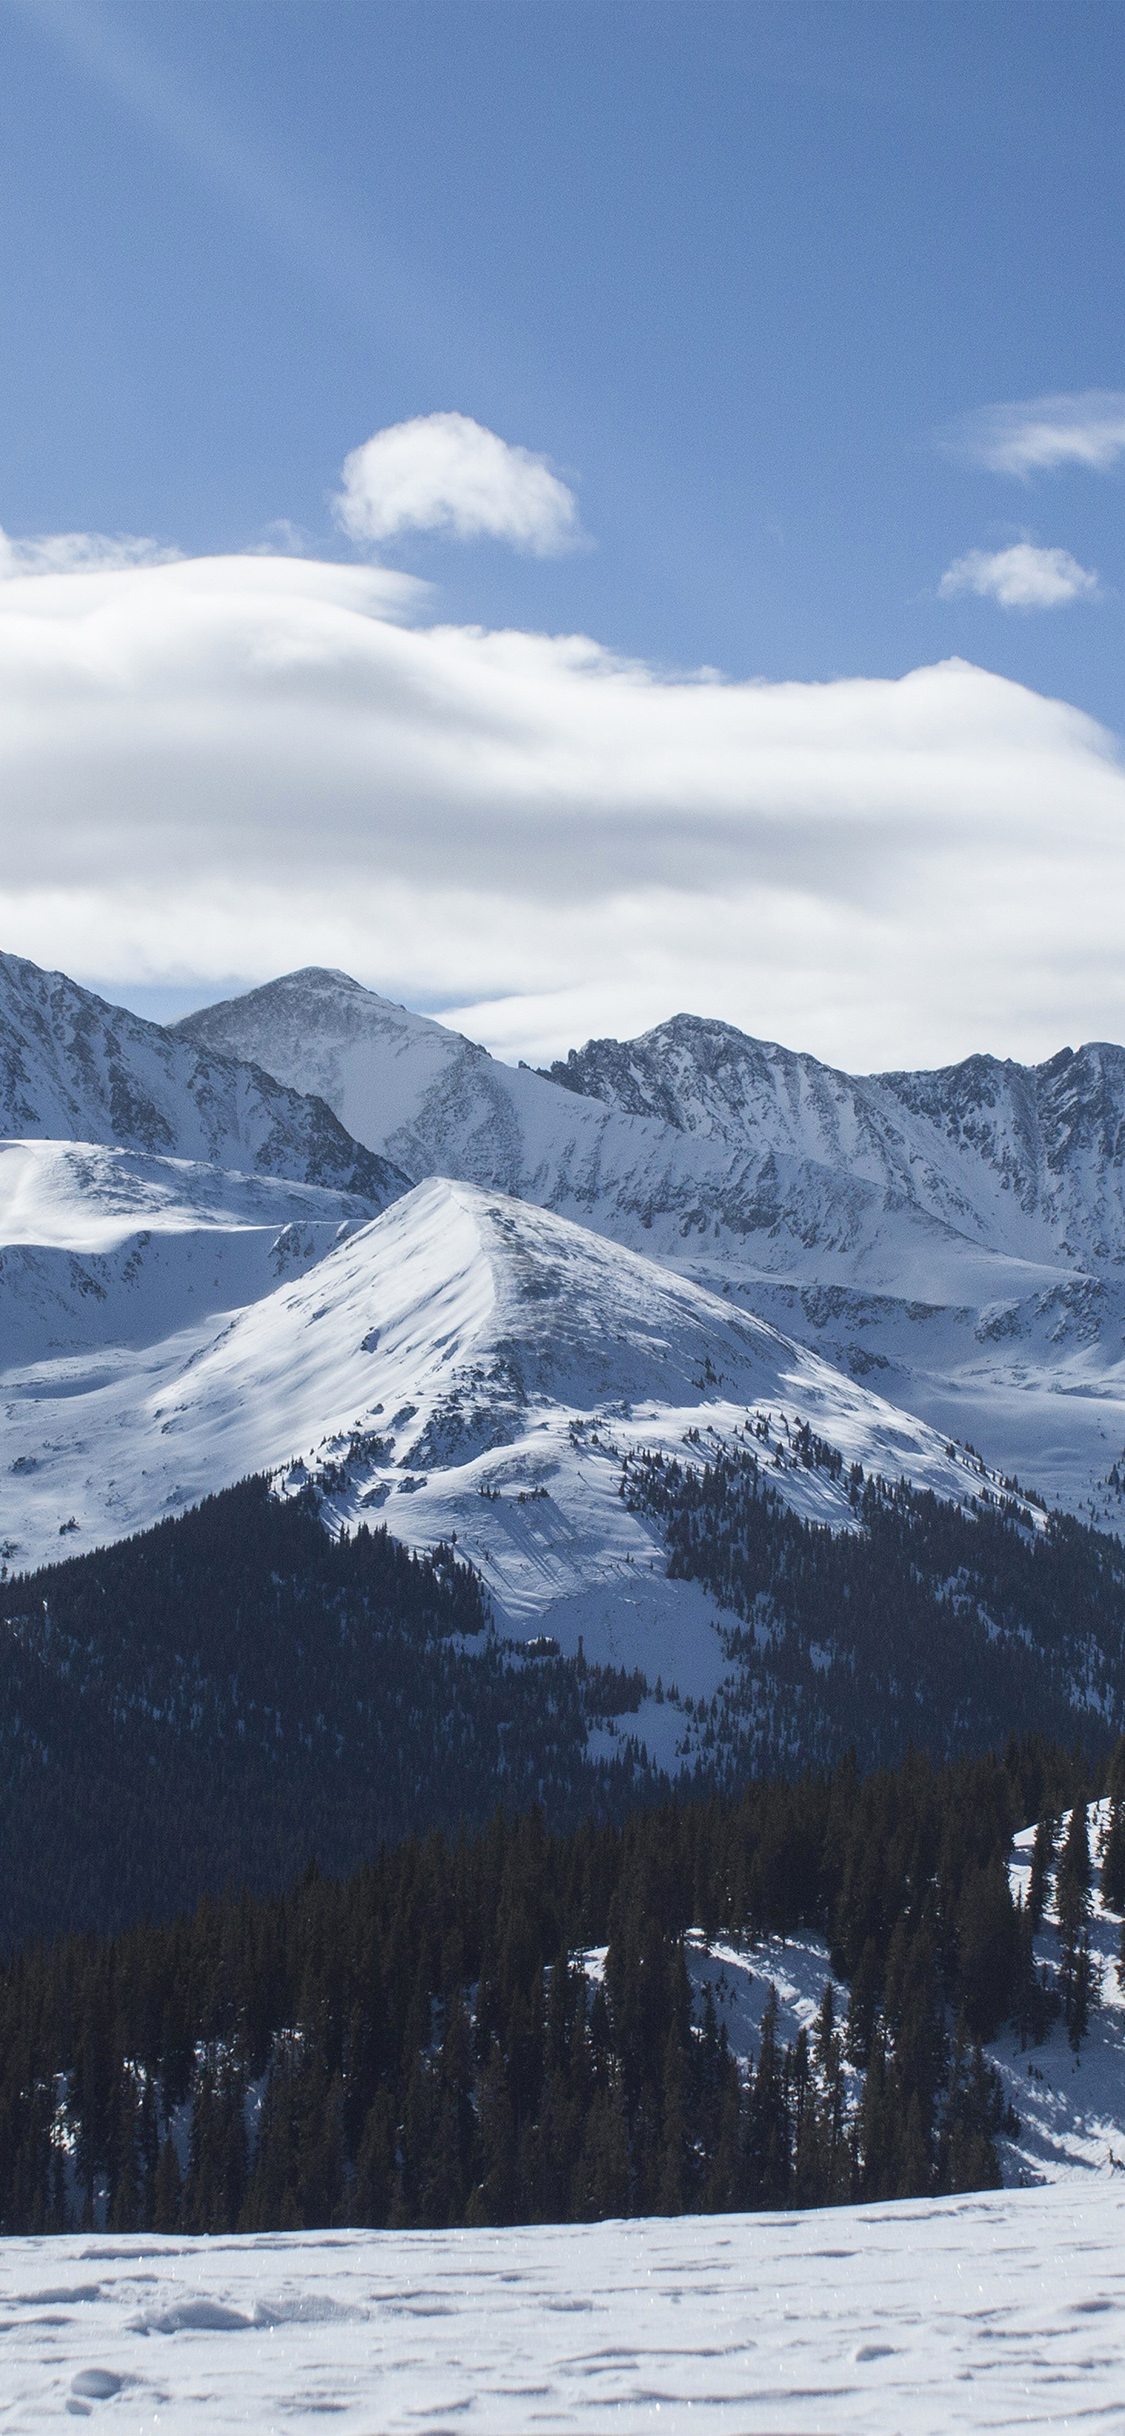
960,1232
74,1067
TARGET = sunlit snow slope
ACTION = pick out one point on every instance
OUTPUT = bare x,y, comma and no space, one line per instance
464,1363
103,1247
958,1237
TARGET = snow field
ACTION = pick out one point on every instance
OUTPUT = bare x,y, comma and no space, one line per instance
1004,2310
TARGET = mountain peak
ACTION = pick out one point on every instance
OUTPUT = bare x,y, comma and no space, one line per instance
959,1232
73,1067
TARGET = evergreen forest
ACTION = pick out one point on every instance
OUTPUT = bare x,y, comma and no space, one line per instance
924,1625
235,1693
500,2028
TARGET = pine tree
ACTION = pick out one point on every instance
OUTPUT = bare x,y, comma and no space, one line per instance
974,2113
1074,1876
168,2200
828,2054
1081,1995
1113,1833
768,2128
602,2180
1072,1905
988,1948
674,2184
1042,1863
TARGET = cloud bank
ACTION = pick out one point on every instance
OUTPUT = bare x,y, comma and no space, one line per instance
240,765
1020,577
1085,427
443,473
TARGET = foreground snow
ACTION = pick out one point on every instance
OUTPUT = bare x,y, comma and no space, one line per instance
1003,2310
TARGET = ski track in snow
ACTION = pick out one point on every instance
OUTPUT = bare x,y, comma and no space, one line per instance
1000,2310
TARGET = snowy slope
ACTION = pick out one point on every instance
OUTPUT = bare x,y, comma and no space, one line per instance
1004,2310
958,1237
464,1363
73,1068
104,1247
1071,2108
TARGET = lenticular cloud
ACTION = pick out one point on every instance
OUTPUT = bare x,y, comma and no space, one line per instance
240,765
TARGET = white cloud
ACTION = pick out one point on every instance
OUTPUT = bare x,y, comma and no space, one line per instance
444,473
78,553
1020,577
1086,427
245,764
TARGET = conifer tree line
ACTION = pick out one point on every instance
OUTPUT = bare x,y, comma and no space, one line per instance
924,1625
234,1692
422,2043
227,1695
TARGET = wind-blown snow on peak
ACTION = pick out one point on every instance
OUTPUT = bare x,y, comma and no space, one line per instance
74,1068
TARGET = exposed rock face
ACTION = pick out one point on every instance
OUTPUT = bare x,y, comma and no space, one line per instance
74,1068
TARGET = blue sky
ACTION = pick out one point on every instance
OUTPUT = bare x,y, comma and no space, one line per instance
731,268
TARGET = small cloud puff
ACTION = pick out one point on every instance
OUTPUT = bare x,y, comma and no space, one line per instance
444,473
1085,427
1020,577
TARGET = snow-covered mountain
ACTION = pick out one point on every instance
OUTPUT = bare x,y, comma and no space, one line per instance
465,1364
73,1068
118,1248
958,1235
